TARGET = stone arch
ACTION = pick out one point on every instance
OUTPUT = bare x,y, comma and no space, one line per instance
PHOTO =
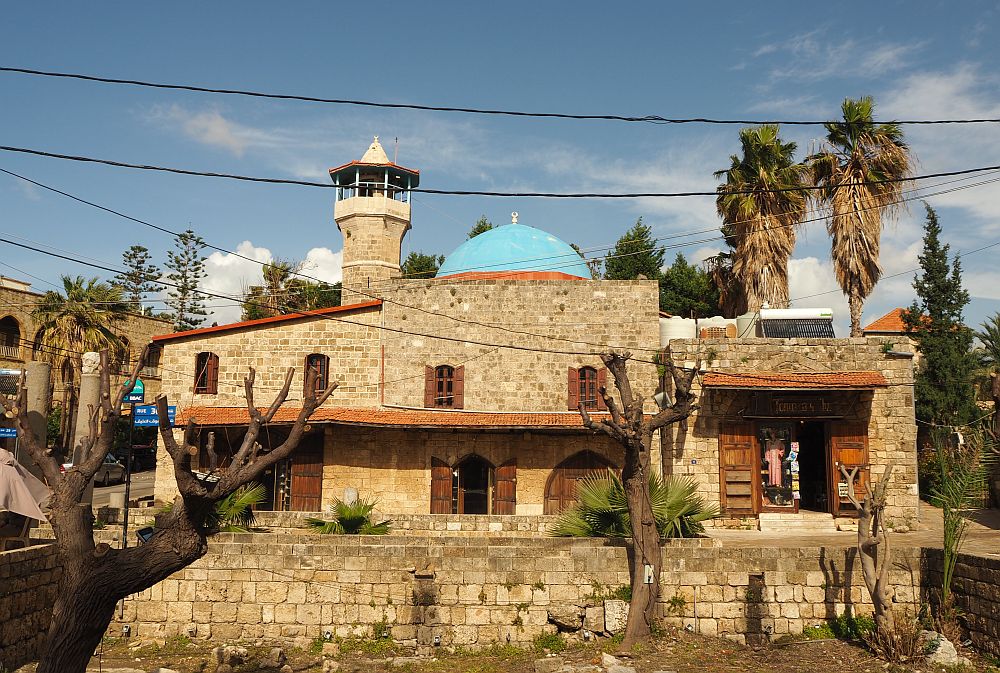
10,338
560,487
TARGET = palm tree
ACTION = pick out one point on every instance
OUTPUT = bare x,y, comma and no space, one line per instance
861,173
762,222
82,318
988,376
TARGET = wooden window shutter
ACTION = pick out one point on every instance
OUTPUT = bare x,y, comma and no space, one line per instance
429,386
459,388
602,382
574,388
212,384
505,489
440,485
736,469
305,376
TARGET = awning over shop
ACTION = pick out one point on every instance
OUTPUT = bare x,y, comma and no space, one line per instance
399,418
795,380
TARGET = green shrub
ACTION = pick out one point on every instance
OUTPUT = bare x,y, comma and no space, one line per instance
552,642
844,627
234,513
353,519
602,510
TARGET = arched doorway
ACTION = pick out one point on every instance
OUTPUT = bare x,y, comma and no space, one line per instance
560,490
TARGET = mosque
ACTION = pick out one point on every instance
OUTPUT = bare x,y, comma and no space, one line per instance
458,395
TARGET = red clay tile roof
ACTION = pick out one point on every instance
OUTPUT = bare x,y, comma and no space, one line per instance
299,315
890,323
800,380
382,417
349,164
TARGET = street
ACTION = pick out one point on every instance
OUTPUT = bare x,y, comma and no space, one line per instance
142,485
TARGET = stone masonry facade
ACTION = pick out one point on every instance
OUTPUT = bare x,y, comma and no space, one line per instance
888,412
400,478
28,584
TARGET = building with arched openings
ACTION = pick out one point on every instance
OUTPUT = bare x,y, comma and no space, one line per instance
459,394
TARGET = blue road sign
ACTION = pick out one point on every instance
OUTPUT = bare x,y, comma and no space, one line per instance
146,415
8,432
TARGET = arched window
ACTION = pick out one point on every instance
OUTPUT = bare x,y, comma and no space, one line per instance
206,374
560,489
152,366
10,338
320,364
444,387
588,387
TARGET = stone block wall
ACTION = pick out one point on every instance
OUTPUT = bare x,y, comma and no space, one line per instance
28,582
889,412
575,318
977,595
395,465
474,591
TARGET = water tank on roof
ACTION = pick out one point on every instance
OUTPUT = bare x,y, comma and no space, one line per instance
796,314
676,328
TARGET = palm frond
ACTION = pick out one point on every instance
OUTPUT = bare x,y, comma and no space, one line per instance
350,519
234,513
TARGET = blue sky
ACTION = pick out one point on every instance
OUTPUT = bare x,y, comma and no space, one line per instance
780,59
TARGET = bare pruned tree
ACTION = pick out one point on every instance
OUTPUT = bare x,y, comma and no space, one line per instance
873,544
630,427
95,576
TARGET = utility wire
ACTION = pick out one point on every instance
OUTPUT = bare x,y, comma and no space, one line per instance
653,119
474,192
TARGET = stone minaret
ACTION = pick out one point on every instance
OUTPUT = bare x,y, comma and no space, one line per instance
372,211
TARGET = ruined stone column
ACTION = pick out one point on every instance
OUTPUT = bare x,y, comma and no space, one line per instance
38,381
90,397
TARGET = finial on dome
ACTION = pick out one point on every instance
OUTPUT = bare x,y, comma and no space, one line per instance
513,217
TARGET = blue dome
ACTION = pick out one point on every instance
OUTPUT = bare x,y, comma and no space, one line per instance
514,247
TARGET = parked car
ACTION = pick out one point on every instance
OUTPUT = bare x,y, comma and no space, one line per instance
111,470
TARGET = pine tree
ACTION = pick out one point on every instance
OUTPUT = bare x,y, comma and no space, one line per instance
481,227
635,254
139,278
186,265
686,290
419,265
944,391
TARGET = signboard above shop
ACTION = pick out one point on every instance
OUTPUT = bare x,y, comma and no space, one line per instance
147,415
774,404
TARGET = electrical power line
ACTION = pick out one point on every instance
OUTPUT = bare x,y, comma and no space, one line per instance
652,119
475,192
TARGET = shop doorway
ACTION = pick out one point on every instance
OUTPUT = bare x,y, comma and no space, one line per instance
813,464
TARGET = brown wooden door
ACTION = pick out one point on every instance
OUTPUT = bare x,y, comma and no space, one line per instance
440,487
560,491
505,489
307,475
848,447
737,462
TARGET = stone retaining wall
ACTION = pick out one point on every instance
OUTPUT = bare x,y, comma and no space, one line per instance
28,580
477,590
976,586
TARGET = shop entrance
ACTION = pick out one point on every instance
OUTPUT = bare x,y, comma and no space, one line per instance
813,464
472,486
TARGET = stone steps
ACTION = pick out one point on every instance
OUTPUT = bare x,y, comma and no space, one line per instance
803,523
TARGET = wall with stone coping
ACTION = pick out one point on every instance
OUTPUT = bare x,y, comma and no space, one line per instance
888,412
478,590
28,584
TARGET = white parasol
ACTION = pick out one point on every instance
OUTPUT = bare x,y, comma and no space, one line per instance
20,491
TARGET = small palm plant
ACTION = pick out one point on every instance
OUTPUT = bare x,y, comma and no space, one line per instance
350,519
602,510
234,513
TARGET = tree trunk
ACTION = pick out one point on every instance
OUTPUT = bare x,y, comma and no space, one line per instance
856,304
645,546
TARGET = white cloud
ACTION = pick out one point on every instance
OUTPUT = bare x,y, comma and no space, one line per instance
323,264
811,284
815,55
28,190
210,127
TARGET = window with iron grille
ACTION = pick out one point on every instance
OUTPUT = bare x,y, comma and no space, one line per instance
320,364
588,387
444,386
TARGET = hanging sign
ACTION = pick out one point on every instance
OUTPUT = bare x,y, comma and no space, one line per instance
137,394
